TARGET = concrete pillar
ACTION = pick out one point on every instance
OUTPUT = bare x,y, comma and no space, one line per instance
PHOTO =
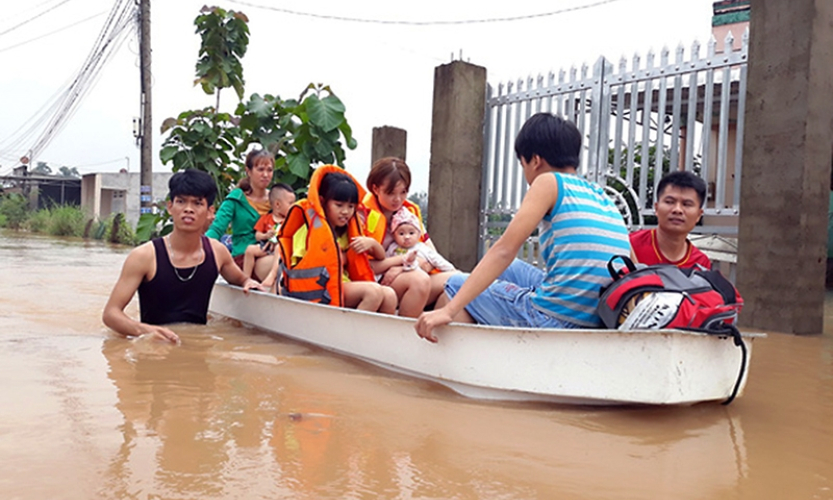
456,161
33,193
786,166
388,141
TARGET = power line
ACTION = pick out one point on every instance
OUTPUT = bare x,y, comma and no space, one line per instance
11,17
426,23
33,18
20,136
122,15
115,26
81,167
52,32
114,160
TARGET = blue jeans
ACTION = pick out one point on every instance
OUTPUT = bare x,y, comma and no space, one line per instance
508,301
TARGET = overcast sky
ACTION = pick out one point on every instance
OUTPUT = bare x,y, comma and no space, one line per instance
382,72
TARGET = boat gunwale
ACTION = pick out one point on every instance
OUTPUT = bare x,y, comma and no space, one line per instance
446,366
493,328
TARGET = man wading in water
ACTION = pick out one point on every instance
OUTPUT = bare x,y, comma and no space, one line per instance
175,274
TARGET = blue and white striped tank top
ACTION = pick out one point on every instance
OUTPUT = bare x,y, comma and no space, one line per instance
577,238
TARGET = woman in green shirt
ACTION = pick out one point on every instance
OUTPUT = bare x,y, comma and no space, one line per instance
243,207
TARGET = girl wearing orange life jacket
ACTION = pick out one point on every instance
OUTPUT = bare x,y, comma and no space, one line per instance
324,251
389,181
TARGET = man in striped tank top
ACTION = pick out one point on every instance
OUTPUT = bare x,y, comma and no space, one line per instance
580,230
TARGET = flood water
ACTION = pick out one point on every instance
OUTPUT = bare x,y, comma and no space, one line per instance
237,413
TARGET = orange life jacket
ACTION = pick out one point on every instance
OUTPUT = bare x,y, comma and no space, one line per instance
377,224
317,276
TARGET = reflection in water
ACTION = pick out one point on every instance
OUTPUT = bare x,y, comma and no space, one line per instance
201,421
234,413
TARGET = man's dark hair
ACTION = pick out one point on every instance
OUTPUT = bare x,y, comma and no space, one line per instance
192,182
551,137
683,180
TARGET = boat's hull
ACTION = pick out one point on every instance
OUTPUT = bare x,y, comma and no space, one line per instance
564,366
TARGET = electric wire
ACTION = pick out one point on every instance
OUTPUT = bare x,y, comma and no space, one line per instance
88,76
426,23
51,33
63,106
30,9
33,18
34,121
96,164
49,108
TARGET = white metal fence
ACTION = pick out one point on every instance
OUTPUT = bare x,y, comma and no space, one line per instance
639,121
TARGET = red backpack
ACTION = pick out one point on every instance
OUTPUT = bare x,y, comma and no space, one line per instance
665,296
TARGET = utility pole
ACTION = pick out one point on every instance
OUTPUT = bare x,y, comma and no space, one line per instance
783,217
146,126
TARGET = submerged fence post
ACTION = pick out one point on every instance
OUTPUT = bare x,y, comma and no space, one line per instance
786,166
456,161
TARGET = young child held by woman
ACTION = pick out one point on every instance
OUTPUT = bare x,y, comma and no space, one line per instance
281,197
407,242
324,248
388,183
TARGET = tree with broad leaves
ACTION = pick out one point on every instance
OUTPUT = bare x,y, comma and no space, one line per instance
225,38
299,132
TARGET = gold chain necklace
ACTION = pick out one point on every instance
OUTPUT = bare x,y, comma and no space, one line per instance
171,258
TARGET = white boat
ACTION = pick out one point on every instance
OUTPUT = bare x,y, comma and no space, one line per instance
600,367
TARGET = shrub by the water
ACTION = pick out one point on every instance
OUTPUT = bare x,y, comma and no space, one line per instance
13,211
67,220
64,220
118,230
38,222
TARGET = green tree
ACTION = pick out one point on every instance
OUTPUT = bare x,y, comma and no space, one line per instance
69,172
299,132
42,168
205,140
420,199
224,41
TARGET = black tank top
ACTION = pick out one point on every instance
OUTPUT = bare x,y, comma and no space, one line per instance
170,297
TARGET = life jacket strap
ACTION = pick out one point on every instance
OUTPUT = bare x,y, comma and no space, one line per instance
299,274
321,295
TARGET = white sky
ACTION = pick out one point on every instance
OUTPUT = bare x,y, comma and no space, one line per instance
383,73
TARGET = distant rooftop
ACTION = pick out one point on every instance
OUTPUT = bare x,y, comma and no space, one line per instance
730,12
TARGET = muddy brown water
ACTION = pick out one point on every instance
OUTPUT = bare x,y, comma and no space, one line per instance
237,413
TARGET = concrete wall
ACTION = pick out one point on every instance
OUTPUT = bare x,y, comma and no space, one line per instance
90,200
104,193
456,161
786,167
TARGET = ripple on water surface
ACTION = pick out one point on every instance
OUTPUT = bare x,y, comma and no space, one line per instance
237,413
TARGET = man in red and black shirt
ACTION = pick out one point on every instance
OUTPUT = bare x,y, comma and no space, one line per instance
679,207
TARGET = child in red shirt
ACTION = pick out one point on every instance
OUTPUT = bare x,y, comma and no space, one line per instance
281,197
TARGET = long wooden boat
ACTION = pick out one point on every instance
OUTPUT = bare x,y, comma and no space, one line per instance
601,367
